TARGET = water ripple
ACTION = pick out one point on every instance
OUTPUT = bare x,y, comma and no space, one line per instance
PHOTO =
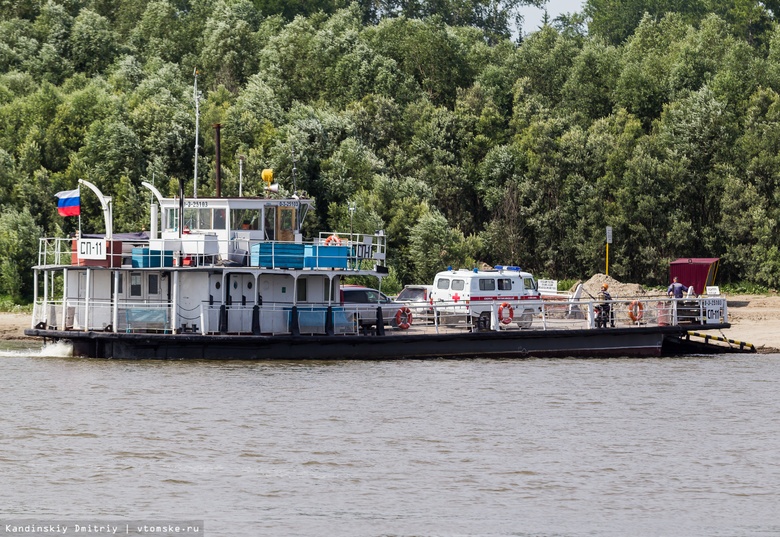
468,447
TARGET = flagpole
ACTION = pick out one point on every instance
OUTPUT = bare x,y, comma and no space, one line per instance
79,189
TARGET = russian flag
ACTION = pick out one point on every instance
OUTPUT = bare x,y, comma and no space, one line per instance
69,202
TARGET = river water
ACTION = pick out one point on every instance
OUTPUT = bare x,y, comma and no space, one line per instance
534,447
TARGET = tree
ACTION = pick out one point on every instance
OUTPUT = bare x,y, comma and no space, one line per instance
588,91
427,51
111,149
349,169
93,43
18,45
643,85
227,56
698,133
6,177
160,32
616,20
19,236
543,62
435,246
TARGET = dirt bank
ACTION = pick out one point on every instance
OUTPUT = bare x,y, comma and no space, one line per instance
12,325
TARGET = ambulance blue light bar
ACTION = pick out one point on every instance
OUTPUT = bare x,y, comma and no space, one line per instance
508,267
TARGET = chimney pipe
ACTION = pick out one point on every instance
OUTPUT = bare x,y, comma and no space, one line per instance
217,128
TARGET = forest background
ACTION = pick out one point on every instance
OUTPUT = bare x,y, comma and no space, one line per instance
464,142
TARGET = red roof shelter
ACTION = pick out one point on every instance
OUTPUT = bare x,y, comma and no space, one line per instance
696,271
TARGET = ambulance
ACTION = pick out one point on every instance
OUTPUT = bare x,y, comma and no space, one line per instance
503,295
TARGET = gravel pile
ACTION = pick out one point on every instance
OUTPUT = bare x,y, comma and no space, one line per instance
616,289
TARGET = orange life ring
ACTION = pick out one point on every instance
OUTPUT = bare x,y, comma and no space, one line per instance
403,318
636,310
334,240
510,313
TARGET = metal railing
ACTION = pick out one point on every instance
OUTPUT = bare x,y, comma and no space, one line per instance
358,252
580,314
349,319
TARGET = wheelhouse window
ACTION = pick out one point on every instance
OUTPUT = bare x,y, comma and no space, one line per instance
204,219
190,219
287,221
172,218
245,219
220,220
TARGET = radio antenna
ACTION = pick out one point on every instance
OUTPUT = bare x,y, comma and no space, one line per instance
196,97
295,184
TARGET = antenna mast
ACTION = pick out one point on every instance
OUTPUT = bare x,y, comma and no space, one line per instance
295,187
196,96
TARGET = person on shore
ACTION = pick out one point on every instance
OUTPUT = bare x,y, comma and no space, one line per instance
676,288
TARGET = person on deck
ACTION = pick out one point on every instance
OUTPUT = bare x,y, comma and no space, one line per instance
676,288
605,297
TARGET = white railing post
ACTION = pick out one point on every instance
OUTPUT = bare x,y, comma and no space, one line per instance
115,312
86,300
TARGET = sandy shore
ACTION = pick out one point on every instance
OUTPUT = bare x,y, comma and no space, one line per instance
754,319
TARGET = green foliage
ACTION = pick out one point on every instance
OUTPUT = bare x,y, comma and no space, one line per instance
92,42
745,288
661,121
19,241
9,305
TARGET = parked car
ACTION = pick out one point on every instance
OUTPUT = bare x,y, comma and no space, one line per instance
366,300
418,299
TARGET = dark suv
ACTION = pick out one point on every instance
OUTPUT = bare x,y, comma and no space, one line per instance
366,301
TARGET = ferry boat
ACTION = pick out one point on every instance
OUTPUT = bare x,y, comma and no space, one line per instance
234,278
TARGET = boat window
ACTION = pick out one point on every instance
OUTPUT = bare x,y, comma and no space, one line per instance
219,219
244,219
270,224
154,284
443,283
172,218
487,284
504,284
458,285
529,283
135,284
301,290
204,219
190,219
286,223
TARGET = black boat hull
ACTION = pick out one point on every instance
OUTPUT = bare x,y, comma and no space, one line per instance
609,342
